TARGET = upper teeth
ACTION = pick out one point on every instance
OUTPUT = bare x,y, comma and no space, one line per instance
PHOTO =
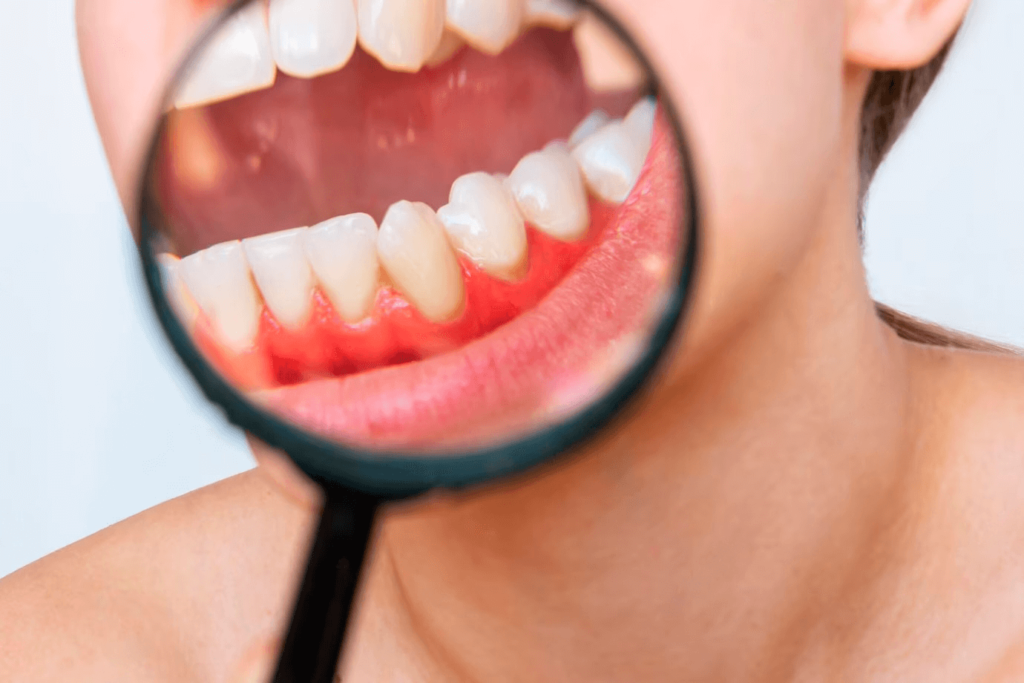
561,14
608,65
308,38
402,34
312,37
236,60
415,245
489,25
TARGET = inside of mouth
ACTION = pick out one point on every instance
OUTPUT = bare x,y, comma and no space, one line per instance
358,140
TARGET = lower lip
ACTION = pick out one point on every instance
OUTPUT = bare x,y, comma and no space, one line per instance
549,362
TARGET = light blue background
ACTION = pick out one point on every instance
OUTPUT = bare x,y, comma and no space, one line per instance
97,419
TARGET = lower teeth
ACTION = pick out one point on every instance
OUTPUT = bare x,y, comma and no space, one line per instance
343,258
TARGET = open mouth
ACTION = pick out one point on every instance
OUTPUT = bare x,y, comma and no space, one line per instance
489,214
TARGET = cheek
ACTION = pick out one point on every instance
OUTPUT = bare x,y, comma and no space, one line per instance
760,87
127,50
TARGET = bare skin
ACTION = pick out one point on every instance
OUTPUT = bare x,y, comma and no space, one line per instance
804,496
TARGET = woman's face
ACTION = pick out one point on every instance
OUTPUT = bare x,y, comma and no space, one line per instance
761,86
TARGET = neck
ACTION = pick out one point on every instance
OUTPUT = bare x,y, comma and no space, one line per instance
705,538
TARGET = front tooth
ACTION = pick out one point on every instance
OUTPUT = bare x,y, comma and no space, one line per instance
595,121
559,14
182,303
343,253
237,60
282,274
549,190
611,160
488,25
640,121
312,37
483,222
401,34
450,43
414,251
220,282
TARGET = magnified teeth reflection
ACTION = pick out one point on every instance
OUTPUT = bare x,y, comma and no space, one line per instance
309,38
219,280
283,274
343,254
185,307
483,222
487,205
451,43
640,122
549,190
560,14
237,60
612,156
402,34
486,222
412,248
312,37
488,25
595,120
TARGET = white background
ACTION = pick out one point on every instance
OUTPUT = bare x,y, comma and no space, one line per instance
98,420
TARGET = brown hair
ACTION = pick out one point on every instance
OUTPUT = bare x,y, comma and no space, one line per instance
892,98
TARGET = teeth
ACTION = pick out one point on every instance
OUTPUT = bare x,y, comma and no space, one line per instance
611,160
184,306
312,37
414,251
595,121
236,61
343,254
608,65
219,280
640,122
488,25
482,221
449,45
282,274
401,34
550,193
560,14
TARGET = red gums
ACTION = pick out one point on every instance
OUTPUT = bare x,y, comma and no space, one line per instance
395,332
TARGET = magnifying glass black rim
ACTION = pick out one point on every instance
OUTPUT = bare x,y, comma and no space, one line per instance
397,474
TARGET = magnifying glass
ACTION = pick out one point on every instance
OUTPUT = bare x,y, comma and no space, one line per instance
414,245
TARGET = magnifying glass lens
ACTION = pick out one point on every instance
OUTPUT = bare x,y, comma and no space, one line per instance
424,233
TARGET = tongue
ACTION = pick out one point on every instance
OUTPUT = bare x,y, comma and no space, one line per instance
362,138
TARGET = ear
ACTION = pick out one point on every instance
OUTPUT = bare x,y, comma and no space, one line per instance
900,34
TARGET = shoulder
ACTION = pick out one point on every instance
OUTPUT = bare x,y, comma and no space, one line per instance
978,397
968,512
171,594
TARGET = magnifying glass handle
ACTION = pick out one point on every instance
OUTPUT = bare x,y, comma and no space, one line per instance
317,631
